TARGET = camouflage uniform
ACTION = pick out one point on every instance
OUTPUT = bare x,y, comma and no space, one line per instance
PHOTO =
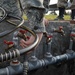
46,5
72,9
33,6
35,15
62,4
11,7
14,9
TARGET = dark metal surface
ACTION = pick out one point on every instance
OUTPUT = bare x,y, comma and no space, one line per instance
3,14
60,43
59,46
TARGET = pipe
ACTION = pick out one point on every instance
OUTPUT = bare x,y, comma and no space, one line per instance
2,34
51,60
11,70
15,40
71,44
3,15
16,53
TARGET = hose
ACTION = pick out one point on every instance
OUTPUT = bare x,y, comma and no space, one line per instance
16,53
3,15
2,34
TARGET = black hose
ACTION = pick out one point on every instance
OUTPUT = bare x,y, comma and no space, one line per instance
2,34
16,53
10,70
3,16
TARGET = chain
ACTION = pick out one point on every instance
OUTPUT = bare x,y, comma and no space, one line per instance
25,68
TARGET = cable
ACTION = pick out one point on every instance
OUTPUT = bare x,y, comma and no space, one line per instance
16,53
2,34
2,14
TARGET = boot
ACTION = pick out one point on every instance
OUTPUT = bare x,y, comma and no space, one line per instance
61,13
59,18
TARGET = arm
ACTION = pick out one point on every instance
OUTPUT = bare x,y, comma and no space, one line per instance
24,43
35,19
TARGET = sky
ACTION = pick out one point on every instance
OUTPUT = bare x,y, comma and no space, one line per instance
53,1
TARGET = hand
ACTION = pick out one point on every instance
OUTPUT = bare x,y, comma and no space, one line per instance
25,44
46,22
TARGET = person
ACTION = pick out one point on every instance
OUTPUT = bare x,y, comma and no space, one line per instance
13,9
34,10
46,5
61,4
72,9
36,14
14,14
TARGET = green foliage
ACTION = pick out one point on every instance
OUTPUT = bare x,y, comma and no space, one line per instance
67,17
25,17
51,17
